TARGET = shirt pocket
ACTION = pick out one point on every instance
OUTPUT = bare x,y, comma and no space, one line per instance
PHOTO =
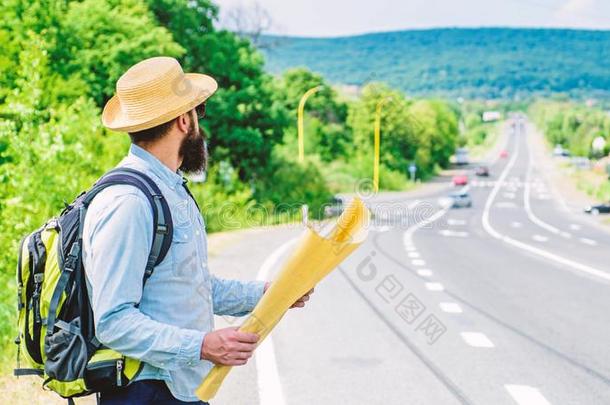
183,250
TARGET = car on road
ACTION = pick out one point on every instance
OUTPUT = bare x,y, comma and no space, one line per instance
460,199
598,209
482,171
334,207
460,180
560,151
461,156
504,154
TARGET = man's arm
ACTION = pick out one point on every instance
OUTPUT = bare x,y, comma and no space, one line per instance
117,244
235,298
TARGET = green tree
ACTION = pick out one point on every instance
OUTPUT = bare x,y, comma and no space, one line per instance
246,116
325,115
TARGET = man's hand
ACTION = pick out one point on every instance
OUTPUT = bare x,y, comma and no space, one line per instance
300,303
228,346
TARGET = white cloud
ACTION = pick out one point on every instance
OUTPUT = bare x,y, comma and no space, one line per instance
577,6
578,13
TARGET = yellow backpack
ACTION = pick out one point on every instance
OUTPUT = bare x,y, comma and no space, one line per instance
56,338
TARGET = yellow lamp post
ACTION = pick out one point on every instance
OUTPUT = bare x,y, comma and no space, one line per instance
300,113
377,143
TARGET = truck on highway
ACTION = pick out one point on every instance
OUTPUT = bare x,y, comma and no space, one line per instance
461,156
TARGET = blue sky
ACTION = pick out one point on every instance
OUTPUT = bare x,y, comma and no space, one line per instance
347,17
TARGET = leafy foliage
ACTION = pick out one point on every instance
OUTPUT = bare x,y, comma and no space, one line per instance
572,125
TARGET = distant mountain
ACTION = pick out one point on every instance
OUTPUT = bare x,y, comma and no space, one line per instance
486,62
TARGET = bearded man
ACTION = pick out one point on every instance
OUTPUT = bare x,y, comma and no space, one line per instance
168,322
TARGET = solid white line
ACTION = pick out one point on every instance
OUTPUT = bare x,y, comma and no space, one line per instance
435,286
548,255
268,377
424,272
408,235
476,339
527,203
526,395
450,307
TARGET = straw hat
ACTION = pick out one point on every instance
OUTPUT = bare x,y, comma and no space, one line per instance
154,92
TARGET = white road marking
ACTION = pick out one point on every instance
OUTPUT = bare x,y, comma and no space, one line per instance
413,255
410,248
456,222
575,227
540,238
528,206
383,228
588,241
268,377
434,286
516,224
450,307
476,339
424,272
526,395
418,262
459,234
509,195
524,246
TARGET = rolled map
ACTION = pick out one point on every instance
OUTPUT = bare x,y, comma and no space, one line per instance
313,259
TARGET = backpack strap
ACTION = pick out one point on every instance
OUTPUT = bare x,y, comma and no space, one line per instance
162,220
184,181
162,229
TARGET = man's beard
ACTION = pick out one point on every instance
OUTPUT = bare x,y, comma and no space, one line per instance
194,152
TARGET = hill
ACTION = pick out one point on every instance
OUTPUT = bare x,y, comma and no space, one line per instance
486,62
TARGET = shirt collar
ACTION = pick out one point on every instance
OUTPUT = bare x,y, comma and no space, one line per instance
172,179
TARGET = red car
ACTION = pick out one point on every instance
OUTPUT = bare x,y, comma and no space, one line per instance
460,180
504,154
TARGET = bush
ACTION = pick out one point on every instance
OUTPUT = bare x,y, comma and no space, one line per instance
289,185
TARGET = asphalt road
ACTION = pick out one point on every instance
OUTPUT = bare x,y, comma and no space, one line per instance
506,302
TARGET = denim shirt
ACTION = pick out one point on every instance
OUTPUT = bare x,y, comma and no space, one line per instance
177,304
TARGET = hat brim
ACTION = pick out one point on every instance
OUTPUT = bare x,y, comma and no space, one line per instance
196,89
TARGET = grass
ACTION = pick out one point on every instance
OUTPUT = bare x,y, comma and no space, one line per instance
594,184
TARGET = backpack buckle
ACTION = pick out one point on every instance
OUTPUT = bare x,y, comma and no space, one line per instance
162,228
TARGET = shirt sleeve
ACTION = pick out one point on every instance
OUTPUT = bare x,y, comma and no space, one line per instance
235,298
117,240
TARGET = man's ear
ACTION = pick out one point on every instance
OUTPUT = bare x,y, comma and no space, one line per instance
183,122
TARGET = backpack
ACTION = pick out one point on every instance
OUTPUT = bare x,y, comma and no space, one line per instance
56,336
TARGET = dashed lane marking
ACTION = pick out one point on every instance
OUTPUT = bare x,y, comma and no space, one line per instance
434,287
526,395
588,241
424,272
477,339
450,307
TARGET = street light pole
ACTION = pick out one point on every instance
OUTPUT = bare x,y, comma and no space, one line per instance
377,144
300,114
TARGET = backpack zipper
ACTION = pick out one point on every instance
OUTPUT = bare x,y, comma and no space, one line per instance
119,372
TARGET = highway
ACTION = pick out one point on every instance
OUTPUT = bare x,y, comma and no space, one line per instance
502,303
